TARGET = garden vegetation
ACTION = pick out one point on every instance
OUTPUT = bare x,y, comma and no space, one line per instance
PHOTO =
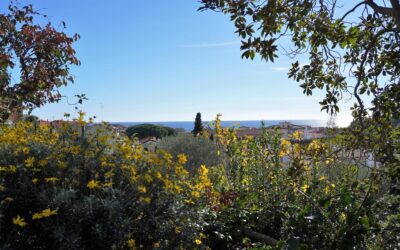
63,188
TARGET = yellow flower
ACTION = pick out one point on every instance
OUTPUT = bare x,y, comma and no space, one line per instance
81,119
178,230
157,245
167,157
182,159
29,162
25,150
108,184
36,216
109,174
93,184
297,148
197,241
285,147
142,189
158,175
189,201
322,178
203,170
19,221
179,170
10,169
48,212
297,135
195,194
146,200
51,179
178,189
305,188
45,213
148,178
131,244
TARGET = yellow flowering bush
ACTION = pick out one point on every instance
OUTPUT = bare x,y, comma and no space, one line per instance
287,192
80,186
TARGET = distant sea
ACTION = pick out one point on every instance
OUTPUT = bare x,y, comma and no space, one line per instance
188,125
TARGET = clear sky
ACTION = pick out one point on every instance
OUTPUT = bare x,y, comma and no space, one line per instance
164,61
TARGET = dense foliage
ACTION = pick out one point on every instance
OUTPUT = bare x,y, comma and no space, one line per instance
353,46
61,189
149,130
41,54
199,150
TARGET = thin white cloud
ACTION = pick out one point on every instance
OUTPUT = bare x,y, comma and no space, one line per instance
302,98
280,69
210,45
286,68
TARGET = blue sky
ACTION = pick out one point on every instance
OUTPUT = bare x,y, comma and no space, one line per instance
164,61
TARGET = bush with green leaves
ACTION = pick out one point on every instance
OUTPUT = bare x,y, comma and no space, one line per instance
149,130
283,193
199,150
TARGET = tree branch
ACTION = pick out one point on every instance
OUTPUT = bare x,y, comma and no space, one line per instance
394,12
259,236
352,10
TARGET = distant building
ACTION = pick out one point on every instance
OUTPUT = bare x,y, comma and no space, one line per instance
149,143
118,129
57,124
286,129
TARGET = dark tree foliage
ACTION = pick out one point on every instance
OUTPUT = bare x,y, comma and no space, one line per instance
41,54
149,130
352,51
198,125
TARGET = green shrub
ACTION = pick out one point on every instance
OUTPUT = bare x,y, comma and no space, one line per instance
149,130
199,150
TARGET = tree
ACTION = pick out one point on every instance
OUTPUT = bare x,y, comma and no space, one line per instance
198,125
41,54
149,130
352,51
